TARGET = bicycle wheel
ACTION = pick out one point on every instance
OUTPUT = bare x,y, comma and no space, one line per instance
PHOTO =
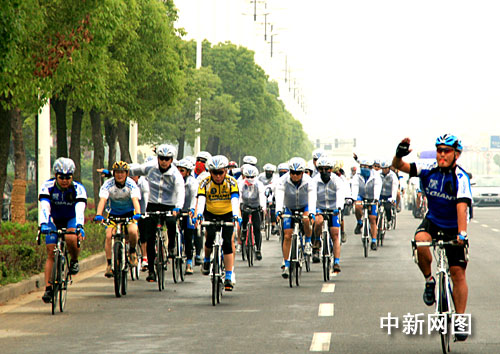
293,255
117,270
250,246
380,226
268,226
298,267
159,263
243,247
55,282
65,279
443,309
124,282
291,273
175,269
135,271
182,268
326,258
366,239
215,277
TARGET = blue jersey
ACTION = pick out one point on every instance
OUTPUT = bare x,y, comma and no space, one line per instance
444,190
62,201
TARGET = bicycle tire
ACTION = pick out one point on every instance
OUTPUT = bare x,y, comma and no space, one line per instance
326,257
268,225
380,226
443,309
299,264
366,239
220,287
181,268
175,270
251,246
291,273
293,253
298,273
215,279
55,282
159,263
63,288
243,248
117,268
124,282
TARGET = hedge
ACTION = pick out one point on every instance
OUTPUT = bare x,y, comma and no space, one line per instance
21,257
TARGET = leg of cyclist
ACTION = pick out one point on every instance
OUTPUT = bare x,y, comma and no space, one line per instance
142,236
373,230
209,241
227,248
358,211
133,236
287,242
424,263
460,288
334,232
244,223
107,248
50,241
256,219
171,231
73,250
308,232
188,231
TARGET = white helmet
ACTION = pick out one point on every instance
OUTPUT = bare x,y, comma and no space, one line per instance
385,164
324,161
283,166
269,167
166,150
376,162
149,158
310,165
251,160
64,166
204,155
217,162
185,163
250,171
297,164
366,162
317,154
191,159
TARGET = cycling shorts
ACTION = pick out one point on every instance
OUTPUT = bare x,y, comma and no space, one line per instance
51,238
288,223
333,220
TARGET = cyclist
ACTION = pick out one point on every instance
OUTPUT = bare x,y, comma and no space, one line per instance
448,191
376,165
310,168
218,199
295,191
62,202
366,186
250,160
191,188
329,198
268,180
143,185
346,192
389,192
282,169
123,195
200,166
315,156
252,196
166,194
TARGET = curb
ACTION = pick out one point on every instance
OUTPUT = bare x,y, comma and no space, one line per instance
37,282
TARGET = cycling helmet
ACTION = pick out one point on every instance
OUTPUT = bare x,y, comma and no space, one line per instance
283,166
366,162
191,159
251,160
203,155
149,158
385,164
317,154
166,150
376,162
450,140
64,166
250,171
185,163
310,165
233,164
120,166
269,167
217,162
324,161
297,164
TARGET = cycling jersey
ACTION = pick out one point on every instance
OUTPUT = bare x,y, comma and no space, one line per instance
143,185
330,194
264,180
443,189
296,197
252,194
120,199
62,204
366,188
218,197
191,187
390,185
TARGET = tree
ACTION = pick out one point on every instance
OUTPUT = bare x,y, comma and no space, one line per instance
20,171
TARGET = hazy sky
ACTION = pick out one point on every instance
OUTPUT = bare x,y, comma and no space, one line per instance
378,70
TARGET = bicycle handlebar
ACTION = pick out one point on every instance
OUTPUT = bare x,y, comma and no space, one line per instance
59,232
438,243
217,223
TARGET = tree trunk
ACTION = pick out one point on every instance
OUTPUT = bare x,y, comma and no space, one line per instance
213,145
20,168
95,122
4,148
59,107
75,150
123,137
181,139
110,131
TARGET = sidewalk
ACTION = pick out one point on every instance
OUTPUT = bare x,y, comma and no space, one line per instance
36,282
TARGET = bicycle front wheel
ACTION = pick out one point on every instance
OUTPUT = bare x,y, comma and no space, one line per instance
215,276
326,257
65,278
56,281
443,309
117,270
159,263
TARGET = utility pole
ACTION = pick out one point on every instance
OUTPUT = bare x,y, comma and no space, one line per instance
43,149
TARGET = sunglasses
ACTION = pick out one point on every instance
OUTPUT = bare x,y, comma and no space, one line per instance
249,177
182,170
164,158
217,172
64,176
201,160
323,169
296,173
441,150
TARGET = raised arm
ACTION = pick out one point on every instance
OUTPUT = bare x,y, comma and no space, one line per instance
402,150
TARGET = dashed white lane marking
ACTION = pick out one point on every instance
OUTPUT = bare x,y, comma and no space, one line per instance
328,288
321,342
325,310
475,221
484,225
496,230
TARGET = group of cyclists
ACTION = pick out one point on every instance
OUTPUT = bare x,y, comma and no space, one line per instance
212,188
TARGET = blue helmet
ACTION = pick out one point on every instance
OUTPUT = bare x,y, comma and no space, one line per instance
450,140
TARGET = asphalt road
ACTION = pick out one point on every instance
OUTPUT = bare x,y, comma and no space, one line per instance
263,314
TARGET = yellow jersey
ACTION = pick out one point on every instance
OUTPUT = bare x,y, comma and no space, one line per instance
218,196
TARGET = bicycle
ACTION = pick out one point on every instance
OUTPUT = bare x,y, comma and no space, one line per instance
119,253
136,271
248,236
179,258
327,242
161,251
366,237
60,277
267,222
382,223
297,255
217,271
444,304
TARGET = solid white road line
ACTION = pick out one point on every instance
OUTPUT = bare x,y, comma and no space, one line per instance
321,342
328,288
325,310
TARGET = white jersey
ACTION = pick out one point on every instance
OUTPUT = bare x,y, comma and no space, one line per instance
120,198
366,189
252,193
296,197
390,183
330,194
